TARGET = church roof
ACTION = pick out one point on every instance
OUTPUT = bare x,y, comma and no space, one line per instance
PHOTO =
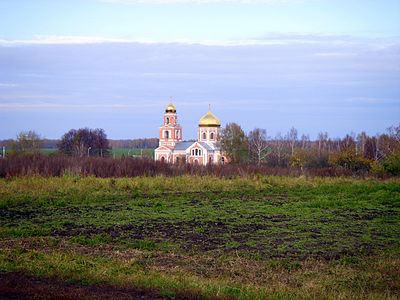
186,145
209,120
170,108
183,145
206,145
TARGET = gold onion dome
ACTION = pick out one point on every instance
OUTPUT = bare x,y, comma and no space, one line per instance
209,120
170,108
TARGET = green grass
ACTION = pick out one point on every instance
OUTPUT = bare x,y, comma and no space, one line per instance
246,238
118,152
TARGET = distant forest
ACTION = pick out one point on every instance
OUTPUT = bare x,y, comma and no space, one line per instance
144,143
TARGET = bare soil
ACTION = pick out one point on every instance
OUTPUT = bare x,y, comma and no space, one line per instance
15,285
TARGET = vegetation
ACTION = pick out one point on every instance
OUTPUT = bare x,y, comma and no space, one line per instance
252,237
123,166
84,142
362,153
133,152
27,142
234,143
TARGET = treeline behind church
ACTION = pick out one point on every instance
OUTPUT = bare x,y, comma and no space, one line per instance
144,143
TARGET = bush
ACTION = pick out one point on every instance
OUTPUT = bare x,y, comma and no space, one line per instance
350,160
40,165
392,164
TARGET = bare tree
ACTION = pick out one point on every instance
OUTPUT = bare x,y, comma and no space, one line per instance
84,142
279,146
258,145
292,138
361,140
322,139
305,140
394,132
27,142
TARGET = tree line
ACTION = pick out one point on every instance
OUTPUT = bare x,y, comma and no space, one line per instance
361,152
75,142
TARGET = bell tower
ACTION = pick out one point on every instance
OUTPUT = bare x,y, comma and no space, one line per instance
170,131
209,128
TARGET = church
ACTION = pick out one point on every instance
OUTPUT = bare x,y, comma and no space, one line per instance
206,150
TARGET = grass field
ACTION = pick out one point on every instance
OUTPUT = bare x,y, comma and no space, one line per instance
118,152
201,237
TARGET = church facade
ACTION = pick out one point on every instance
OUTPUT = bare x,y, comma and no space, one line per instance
205,150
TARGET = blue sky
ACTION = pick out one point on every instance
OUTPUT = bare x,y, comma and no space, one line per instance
316,65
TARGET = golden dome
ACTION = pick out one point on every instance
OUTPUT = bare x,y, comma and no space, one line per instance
170,108
209,120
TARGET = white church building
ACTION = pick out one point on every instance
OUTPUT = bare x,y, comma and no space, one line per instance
206,150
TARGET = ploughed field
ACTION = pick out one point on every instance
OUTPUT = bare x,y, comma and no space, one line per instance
199,237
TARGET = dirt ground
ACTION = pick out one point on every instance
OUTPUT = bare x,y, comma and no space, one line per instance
20,286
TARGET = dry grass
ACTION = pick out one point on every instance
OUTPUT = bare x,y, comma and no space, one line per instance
376,277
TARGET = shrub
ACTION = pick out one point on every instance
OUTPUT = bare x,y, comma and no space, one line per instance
392,164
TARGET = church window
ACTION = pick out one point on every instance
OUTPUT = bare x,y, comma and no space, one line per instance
166,134
204,136
196,152
212,135
199,152
167,120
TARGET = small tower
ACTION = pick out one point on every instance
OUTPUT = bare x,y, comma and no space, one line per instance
170,131
209,128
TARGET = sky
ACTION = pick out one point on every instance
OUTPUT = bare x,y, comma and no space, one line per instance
316,65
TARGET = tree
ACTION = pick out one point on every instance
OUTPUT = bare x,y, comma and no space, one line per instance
84,141
27,142
234,143
322,140
349,159
279,147
258,145
292,138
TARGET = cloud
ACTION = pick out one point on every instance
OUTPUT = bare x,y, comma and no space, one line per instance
65,39
8,85
269,39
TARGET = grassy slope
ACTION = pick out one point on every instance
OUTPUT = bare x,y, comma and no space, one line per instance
247,238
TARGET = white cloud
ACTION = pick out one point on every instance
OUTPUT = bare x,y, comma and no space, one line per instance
270,39
54,40
335,54
8,85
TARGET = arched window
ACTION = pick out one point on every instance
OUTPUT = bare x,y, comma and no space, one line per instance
166,134
196,152
204,136
167,120
211,135
162,159
199,151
